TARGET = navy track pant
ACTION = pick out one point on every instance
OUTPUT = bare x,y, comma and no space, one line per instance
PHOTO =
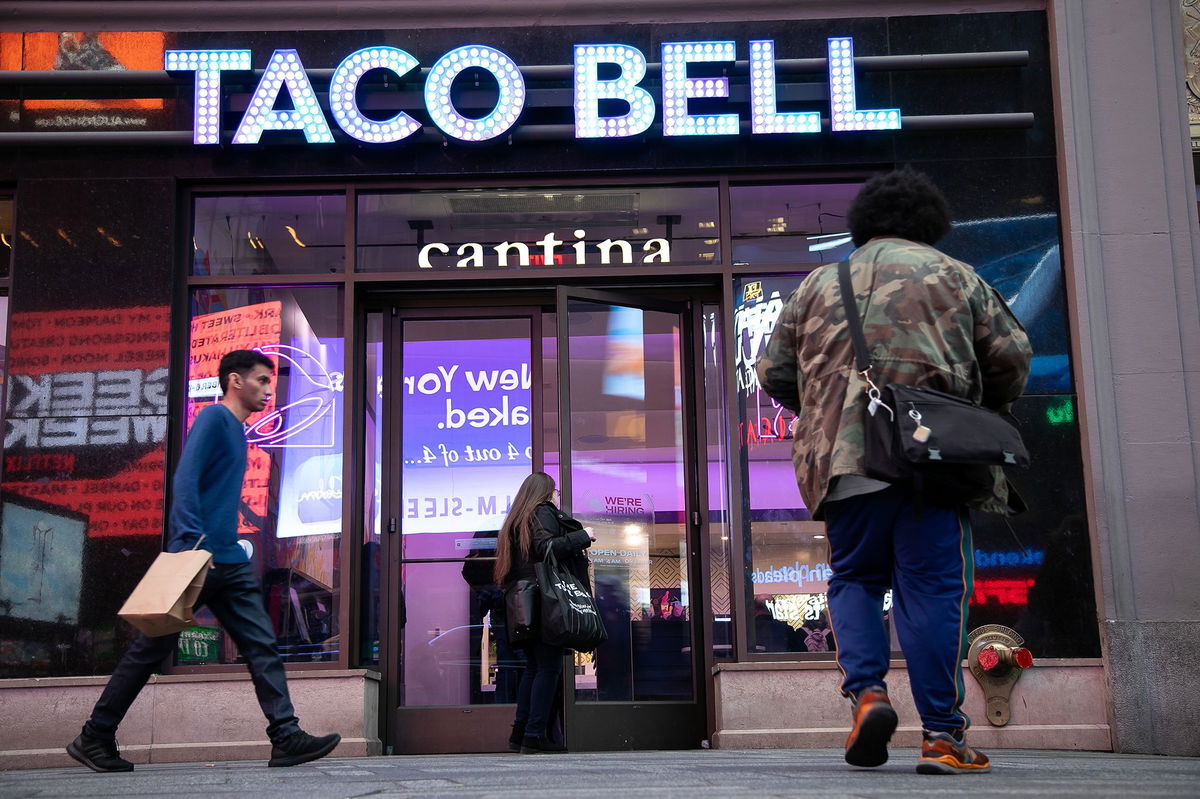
884,540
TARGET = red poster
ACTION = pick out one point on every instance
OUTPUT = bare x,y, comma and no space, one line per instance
87,415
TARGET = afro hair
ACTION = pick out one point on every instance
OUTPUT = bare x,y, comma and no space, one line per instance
903,204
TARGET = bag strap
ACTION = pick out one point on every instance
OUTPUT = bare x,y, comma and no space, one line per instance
199,541
862,361
861,358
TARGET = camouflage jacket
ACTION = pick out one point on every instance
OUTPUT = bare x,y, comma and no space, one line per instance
928,319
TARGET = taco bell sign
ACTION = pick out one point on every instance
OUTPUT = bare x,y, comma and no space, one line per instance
624,66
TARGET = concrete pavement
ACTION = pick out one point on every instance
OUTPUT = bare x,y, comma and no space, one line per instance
691,774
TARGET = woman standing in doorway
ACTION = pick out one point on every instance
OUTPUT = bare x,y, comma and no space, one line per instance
533,526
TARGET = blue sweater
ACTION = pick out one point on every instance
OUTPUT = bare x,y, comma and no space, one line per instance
207,488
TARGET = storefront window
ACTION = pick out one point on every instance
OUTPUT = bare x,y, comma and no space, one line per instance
787,562
439,231
1032,572
269,235
291,516
803,223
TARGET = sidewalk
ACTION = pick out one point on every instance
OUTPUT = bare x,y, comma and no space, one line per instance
629,775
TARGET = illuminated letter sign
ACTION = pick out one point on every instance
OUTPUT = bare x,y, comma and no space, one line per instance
590,90
343,99
678,88
764,116
208,66
508,105
844,113
284,69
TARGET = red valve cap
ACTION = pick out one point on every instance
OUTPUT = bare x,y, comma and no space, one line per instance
1023,658
989,658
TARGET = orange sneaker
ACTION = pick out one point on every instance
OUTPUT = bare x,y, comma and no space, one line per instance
874,723
942,753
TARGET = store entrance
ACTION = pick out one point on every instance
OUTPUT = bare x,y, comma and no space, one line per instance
598,389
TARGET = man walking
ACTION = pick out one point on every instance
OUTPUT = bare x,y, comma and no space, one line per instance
928,320
207,491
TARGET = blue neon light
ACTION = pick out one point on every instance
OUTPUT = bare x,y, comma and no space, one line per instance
343,95
509,104
284,69
590,90
678,88
844,112
763,102
208,66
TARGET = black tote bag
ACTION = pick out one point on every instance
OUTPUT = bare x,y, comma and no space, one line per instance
568,614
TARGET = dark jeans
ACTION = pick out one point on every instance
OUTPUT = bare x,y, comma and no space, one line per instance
535,697
233,594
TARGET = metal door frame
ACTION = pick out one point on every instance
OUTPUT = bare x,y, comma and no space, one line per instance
647,724
433,728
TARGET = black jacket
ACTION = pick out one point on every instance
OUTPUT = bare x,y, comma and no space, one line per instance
553,528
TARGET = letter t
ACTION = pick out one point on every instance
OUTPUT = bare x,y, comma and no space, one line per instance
548,244
208,66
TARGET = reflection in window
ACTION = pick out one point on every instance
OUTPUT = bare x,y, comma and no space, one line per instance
720,544
465,394
6,234
787,560
291,515
3,354
627,483
455,651
1034,572
84,460
502,229
801,223
268,235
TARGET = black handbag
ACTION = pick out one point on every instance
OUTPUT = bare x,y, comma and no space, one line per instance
567,611
940,445
520,611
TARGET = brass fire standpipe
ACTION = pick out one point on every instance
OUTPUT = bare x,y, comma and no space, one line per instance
997,659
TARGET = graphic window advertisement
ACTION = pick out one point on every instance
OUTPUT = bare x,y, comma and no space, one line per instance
290,519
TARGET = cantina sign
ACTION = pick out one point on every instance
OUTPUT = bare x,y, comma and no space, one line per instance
624,68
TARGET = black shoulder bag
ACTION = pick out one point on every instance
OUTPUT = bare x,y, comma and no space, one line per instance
521,611
940,445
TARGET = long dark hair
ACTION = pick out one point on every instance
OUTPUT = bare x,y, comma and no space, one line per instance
517,529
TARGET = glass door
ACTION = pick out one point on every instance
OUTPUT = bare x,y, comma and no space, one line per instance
461,442
629,455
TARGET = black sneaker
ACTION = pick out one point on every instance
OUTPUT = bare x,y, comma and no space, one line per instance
540,745
300,747
98,754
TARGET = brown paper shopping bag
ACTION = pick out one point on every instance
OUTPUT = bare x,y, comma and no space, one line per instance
162,602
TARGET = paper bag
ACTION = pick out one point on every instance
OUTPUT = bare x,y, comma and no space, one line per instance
162,602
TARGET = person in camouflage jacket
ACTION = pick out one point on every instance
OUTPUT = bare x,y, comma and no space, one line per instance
928,320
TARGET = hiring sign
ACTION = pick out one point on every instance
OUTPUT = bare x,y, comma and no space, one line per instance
610,107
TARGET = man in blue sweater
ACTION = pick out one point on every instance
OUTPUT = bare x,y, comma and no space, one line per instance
206,494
